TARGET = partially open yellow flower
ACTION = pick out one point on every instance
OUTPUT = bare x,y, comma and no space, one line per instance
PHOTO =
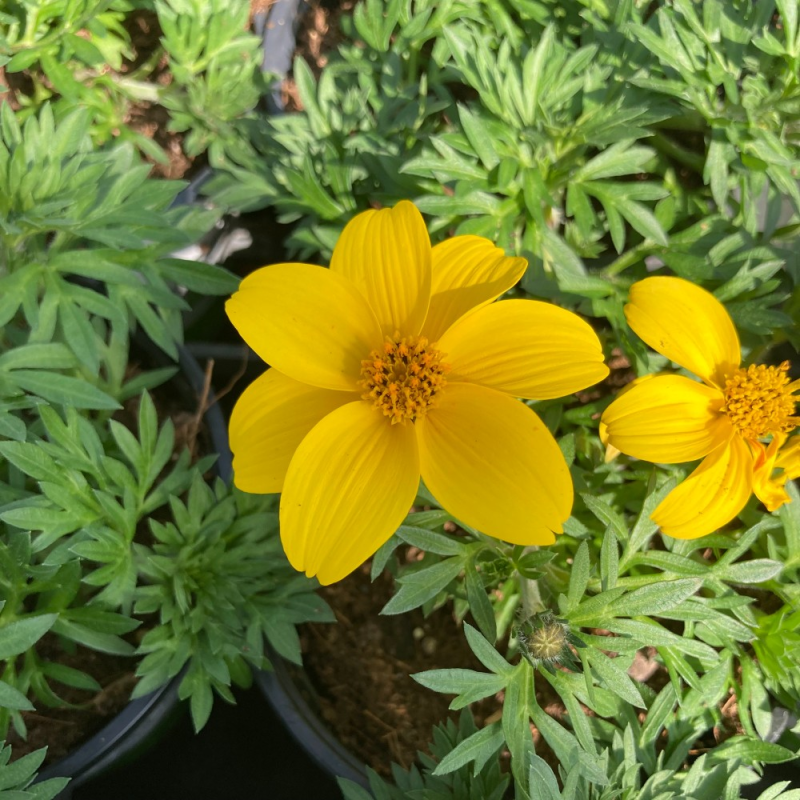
392,364
725,420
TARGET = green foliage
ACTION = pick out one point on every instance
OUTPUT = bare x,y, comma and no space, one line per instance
219,581
84,249
90,465
626,591
214,61
483,782
561,132
777,646
81,54
602,141
16,780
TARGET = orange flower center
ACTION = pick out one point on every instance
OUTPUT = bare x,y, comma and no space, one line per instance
759,400
404,378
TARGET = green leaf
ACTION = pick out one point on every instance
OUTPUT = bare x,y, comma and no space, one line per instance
70,676
559,256
654,635
93,639
198,276
418,587
609,560
655,597
751,751
32,460
517,703
619,159
20,635
479,136
615,679
543,784
533,71
38,356
756,571
579,576
13,699
63,390
202,700
20,773
479,604
479,747
429,541
607,515
471,686
486,654
352,791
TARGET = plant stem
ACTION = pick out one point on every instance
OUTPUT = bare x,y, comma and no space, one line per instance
529,589
664,144
628,259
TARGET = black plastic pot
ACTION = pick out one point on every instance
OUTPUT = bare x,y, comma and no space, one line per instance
144,720
277,27
305,724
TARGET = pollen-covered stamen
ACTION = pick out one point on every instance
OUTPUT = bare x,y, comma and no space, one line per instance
404,377
760,400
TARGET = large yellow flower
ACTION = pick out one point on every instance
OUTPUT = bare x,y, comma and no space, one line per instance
725,420
392,364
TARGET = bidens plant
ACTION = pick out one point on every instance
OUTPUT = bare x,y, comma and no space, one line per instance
724,420
111,540
394,363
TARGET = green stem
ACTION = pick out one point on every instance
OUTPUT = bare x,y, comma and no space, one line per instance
668,147
629,258
529,589
688,121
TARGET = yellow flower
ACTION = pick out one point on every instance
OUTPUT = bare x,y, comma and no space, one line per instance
724,420
392,364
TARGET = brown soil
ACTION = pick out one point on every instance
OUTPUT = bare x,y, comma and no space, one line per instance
360,669
318,35
61,730
151,119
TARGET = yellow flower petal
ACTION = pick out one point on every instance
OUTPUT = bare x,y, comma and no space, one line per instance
387,255
769,487
711,496
686,324
467,272
349,486
306,321
268,423
525,348
491,462
602,428
667,419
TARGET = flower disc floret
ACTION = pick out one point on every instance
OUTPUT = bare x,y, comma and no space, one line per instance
759,401
403,378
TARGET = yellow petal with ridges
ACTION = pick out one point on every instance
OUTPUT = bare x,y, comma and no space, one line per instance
387,255
467,272
349,486
711,496
269,420
525,348
492,463
667,419
774,466
686,324
306,321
